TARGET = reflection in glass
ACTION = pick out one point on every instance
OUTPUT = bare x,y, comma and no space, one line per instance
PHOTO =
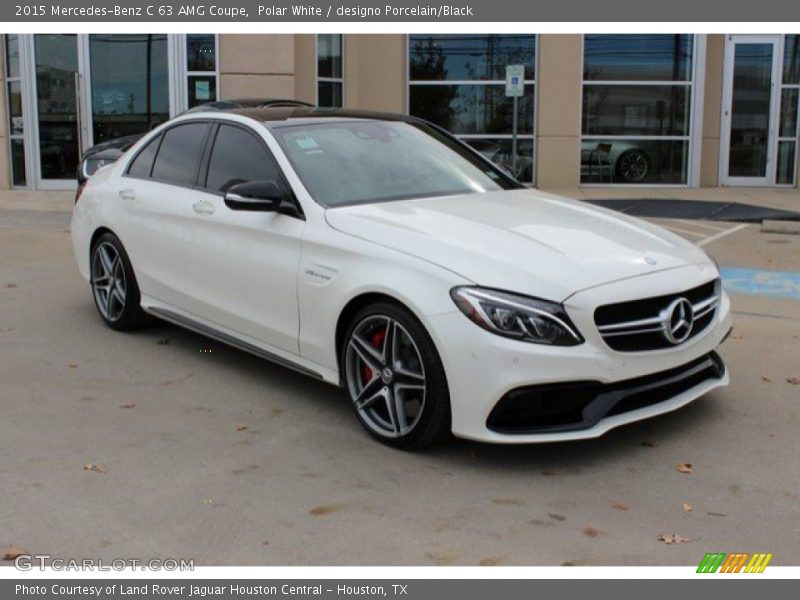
201,52
500,152
130,84
786,168
469,109
12,55
791,58
16,125
329,55
788,120
17,162
634,161
750,110
56,66
469,56
202,89
637,57
329,94
636,109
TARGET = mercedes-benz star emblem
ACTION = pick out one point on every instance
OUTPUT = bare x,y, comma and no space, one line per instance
677,321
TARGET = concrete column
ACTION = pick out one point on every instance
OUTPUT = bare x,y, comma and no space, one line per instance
257,66
712,111
558,87
305,67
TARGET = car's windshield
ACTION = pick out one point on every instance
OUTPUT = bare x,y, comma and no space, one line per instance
359,162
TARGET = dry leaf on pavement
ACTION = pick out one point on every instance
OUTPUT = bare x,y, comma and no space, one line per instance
672,538
793,380
128,405
766,378
620,506
13,552
684,468
98,468
241,428
648,444
687,507
591,532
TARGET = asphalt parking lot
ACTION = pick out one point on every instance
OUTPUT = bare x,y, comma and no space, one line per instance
203,452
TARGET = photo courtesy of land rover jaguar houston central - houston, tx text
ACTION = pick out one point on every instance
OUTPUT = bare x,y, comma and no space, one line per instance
379,253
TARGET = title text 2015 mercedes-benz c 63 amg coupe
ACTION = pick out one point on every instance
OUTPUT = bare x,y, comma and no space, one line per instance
379,253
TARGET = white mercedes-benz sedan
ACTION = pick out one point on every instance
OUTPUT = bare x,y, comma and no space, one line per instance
378,253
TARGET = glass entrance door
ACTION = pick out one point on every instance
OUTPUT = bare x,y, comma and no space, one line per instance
750,110
91,89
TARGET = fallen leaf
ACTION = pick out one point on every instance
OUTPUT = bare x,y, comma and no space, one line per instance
672,538
13,552
163,342
687,507
549,473
715,514
11,286
620,505
488,562
793,380
98,468
73,365
591,532
766,378
684,468
648,444
556,516
736,336
241,428
128,405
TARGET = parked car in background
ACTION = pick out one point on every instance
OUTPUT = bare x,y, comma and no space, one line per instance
378,253
108,152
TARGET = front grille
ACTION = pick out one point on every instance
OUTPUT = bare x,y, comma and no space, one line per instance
572,406
640,325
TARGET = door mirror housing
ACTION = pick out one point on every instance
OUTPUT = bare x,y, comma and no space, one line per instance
260,196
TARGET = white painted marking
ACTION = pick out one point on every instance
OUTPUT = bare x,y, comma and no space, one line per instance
722,234
684,231
702,225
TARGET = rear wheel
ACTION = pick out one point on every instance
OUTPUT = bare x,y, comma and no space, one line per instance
395,379
114,288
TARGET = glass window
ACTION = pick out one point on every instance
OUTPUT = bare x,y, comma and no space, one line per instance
469,57
12,56
16,125
472,109
634,161
201,52
788,121
56,66
637,57
202,89
142,165
359,162
238,156
458,82
329,55
791,59
130,84
179,155
330,70
786,160
636,118
17,162
636,110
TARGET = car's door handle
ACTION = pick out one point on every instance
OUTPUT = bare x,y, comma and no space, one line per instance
203,207
127,194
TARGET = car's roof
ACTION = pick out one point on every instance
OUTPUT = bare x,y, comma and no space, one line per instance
280,114
237,103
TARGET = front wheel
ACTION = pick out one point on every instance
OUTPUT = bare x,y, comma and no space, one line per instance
114,288
395,379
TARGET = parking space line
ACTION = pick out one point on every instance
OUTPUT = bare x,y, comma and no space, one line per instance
722,234
686,231
702,225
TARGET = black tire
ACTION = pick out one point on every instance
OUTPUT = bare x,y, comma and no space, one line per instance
125,315
432,422
633,165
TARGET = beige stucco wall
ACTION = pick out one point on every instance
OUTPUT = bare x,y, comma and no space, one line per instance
258,65
558,86
305,70
712,107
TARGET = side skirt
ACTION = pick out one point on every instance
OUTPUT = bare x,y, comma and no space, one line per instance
221,336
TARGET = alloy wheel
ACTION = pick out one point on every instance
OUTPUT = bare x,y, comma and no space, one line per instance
633,166
385,376
108,281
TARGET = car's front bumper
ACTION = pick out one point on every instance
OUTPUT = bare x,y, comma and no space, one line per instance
483,369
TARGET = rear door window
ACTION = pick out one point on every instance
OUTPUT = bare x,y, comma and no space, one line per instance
142,165
238,156
178,158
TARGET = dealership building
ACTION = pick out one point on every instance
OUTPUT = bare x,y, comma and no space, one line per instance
649,110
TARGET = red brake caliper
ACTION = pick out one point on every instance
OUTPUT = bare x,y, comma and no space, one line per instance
377,342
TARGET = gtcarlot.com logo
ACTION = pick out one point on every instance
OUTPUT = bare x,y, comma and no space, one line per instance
737,562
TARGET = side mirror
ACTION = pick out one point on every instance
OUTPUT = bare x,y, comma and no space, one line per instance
263,196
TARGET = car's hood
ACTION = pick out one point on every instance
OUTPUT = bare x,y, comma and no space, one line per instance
521,240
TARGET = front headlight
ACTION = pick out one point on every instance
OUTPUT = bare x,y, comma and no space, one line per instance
90,166
518,317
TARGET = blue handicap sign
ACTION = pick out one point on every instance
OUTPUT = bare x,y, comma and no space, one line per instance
757,282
